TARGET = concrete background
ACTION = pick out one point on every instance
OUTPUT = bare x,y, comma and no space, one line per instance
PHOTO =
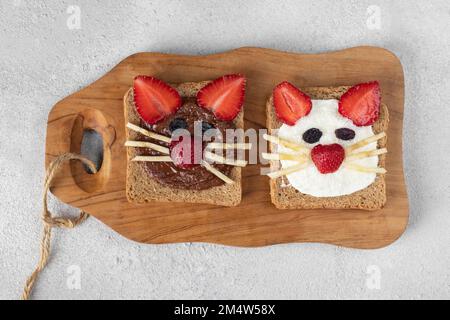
42,60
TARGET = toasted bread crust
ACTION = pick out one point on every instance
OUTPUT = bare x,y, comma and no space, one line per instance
286,197
140,188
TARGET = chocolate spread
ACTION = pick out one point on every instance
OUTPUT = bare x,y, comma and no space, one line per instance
196,178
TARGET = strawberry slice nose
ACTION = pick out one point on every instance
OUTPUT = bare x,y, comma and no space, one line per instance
186,152
328,158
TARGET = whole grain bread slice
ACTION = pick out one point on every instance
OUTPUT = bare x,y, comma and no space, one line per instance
141,188
284,196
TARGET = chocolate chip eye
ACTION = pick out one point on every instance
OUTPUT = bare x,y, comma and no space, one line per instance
206,126
312,135
177,123
344,133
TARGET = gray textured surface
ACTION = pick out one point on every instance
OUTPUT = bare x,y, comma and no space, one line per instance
42,60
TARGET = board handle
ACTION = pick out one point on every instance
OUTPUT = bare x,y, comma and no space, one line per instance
66,127
85,121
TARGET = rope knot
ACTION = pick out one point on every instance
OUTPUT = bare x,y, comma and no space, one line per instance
68,223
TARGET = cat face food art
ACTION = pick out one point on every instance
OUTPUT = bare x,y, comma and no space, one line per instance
168,145
327,148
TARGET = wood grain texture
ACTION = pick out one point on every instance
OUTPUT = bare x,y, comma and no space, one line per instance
255,222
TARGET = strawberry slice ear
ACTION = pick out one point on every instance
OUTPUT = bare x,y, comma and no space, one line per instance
361,103
223,96
154,99
290,103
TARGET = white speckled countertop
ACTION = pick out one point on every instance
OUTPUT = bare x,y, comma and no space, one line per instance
46,53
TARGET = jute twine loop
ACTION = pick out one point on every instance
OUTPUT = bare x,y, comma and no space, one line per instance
49,221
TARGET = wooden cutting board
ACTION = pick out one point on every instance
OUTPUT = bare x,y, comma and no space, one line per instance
255,222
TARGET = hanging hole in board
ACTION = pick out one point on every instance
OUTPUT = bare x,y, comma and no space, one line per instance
92,148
